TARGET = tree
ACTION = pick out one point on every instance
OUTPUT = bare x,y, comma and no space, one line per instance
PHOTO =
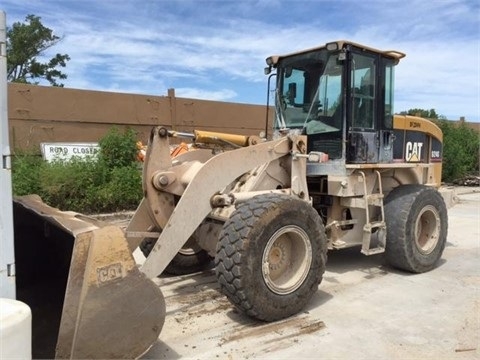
429,114
461,150
25,43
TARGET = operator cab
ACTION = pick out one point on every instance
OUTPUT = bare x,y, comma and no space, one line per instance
339,91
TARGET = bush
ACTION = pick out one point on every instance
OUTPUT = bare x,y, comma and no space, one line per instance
117,149
68,184
122,191
461,146
110,183
26,167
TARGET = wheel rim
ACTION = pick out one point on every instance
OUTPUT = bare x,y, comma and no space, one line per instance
190,248
427,229
286,260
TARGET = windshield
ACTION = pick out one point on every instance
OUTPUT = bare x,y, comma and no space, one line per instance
308,95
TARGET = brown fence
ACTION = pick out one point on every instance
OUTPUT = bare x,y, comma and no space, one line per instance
50,114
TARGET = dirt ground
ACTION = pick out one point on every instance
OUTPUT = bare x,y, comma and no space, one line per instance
363,309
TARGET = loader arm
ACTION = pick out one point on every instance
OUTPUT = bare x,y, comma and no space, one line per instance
195,202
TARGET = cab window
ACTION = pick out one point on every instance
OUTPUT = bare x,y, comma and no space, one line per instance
362,92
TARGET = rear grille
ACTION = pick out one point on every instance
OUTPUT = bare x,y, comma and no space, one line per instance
332,147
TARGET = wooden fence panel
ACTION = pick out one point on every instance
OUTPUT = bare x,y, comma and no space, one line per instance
51,114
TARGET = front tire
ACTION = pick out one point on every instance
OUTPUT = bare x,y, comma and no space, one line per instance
417,224
271,256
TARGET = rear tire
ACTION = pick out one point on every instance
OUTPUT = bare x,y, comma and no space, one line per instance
417,223
271,256
190,259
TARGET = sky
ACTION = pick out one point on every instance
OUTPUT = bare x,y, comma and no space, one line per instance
216,50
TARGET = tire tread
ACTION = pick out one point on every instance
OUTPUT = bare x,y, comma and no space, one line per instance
231,254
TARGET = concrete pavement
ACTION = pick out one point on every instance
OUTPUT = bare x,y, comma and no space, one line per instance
363,309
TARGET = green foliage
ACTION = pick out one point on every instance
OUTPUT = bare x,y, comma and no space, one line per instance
25,43
429,114
117,149
125,181
67,184
461,146
26,173
111,183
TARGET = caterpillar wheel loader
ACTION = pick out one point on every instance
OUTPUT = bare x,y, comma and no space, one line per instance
339,170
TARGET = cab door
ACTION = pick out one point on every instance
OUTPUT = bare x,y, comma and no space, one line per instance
385,109
370,109
362,143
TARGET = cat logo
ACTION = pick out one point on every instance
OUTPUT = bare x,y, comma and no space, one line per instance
413,151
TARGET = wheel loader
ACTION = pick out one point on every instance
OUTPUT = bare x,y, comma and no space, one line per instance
338,170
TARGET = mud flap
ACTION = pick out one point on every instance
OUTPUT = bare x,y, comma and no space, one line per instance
87,295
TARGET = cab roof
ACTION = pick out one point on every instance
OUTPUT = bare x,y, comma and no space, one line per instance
338,45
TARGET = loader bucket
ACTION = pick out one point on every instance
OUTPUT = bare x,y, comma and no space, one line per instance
87,295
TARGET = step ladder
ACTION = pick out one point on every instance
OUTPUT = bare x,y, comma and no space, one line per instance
377,227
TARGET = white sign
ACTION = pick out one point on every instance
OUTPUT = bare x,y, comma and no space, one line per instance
66,151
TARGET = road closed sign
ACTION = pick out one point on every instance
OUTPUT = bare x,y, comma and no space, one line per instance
67,151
